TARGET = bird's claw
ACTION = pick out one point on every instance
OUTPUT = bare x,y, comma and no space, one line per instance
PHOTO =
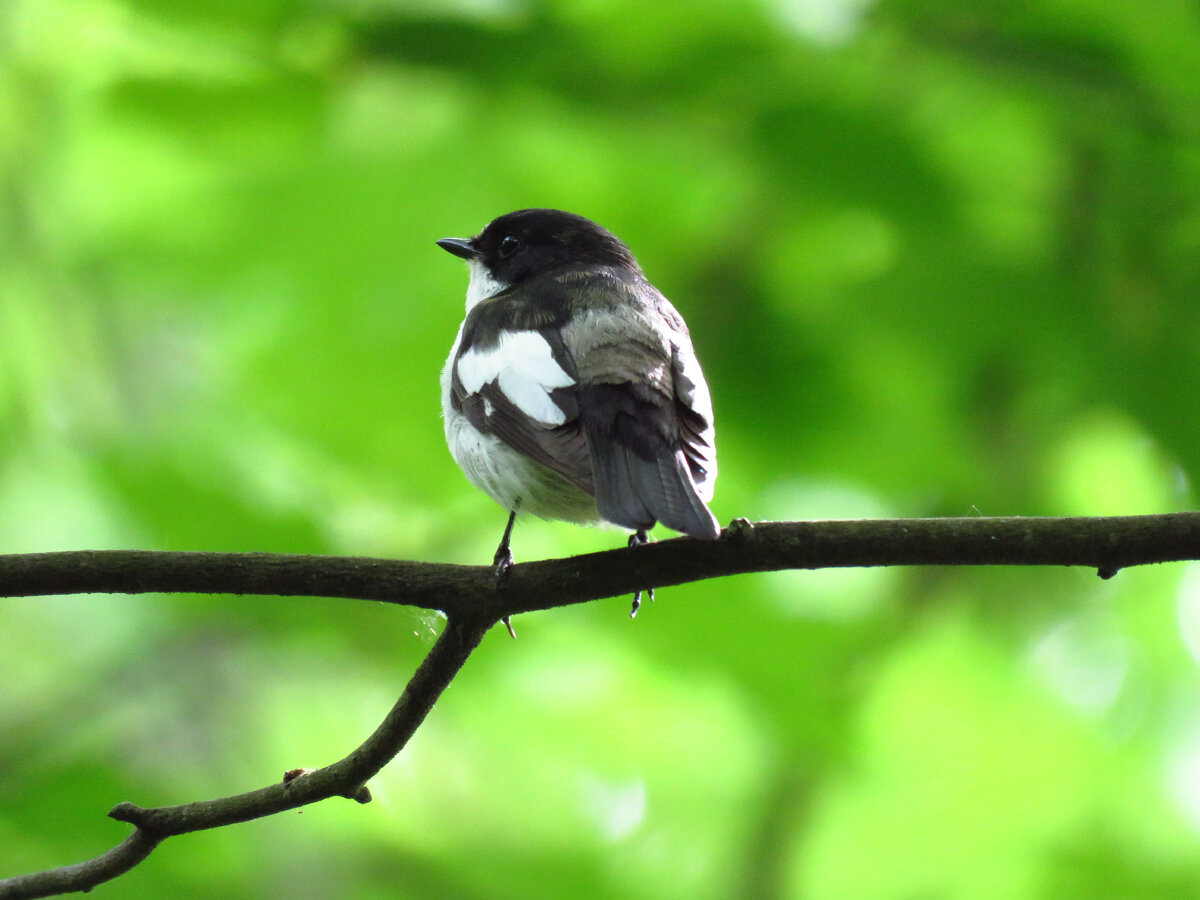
501,563
507,624
637,601
637,539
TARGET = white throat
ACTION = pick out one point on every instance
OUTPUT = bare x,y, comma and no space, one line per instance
482,284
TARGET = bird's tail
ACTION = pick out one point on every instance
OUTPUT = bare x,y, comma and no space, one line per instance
636,492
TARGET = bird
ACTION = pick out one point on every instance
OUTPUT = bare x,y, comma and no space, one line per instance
572,390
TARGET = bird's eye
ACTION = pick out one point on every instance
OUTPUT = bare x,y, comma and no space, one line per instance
508,245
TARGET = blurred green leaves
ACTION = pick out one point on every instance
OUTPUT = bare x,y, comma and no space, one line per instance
936,259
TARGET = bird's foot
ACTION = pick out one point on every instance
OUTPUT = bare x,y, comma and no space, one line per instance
637,539
502,562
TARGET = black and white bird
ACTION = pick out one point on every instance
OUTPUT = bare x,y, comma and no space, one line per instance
572,390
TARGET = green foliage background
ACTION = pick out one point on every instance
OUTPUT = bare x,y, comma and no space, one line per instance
937,258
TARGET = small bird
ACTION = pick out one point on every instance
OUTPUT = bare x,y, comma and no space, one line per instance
572,391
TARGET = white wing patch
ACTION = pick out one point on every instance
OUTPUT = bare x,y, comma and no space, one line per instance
523,366
689,381
691,388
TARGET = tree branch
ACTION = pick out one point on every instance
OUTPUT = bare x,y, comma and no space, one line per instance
344,778
473,602
1107,544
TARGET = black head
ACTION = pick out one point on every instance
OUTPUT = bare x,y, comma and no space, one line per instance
531,241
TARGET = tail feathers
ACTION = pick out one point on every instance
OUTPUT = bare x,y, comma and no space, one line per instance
636,492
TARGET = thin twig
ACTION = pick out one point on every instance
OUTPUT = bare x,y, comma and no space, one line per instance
345,778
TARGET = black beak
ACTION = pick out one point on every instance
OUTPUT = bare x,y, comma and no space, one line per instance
463,249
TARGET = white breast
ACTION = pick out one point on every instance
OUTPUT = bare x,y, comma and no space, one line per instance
482,285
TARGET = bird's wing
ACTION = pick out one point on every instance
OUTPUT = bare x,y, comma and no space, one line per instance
645,412
694,405
519,386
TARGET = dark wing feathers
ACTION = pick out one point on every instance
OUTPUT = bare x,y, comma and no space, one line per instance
640,470
562,449
650,436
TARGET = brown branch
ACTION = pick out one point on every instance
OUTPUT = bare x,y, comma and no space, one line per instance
85,875
1108,544
345,778
473,603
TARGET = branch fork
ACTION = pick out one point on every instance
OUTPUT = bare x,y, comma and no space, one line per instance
470,598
